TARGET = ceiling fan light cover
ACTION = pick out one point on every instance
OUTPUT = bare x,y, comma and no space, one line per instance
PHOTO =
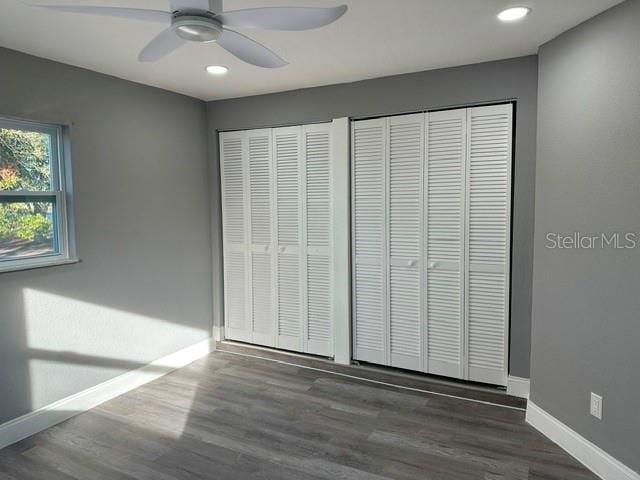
197,29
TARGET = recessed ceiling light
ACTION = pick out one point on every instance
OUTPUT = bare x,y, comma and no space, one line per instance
513,14
217,70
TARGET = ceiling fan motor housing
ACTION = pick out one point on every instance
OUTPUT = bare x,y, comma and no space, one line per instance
197,28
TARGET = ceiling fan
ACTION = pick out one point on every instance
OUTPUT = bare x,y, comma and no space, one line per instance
205,21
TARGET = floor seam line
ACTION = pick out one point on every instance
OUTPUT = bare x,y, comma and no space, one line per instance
402,387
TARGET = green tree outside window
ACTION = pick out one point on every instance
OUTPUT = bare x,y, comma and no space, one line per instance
25,165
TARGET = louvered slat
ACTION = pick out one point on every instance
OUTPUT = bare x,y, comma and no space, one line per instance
318,187
233,185
369,304
405,158
262,309
260,186
445,180
289,305
319,304
318,225
287,155
370,333
369,188
488,231
235,283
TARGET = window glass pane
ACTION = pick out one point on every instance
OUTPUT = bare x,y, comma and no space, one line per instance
25,160
27,228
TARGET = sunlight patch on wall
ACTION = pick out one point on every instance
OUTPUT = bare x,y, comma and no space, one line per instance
72,343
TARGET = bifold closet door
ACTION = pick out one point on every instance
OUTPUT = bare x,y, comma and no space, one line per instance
261,252
248,236
431,206
278,237
369,231
489,159
233,151
387,240
444,243
404,212
302,157
289,209
318,239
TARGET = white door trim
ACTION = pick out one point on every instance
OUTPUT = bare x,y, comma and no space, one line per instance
340,173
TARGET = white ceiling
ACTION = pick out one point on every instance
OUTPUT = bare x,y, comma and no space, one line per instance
375,38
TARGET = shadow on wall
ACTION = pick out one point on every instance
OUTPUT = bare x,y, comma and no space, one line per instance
51,335
54,345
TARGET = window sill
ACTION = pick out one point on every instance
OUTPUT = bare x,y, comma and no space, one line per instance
42,263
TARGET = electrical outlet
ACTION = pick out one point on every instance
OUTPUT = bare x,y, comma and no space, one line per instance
596,406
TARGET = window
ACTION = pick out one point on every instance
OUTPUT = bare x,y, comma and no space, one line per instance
33,196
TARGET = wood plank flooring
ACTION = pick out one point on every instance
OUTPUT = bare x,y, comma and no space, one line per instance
229,416
378,374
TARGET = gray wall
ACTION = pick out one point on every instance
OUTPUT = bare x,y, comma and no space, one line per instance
586,303
486,82
143,289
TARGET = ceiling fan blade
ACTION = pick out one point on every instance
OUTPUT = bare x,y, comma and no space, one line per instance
128,13
161,46
283,18
197,5
249,50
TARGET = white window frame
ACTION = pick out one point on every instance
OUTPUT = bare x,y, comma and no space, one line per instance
60,192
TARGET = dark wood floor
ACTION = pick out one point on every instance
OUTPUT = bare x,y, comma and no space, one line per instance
229,416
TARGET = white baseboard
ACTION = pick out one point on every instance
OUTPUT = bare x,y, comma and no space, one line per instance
590,455
518,387
217,333
33,422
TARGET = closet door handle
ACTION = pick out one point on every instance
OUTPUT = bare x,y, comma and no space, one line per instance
412,263
282,249
432,265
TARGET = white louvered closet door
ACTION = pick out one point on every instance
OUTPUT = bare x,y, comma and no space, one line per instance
233,151
369,225
404,213
431,209
278,237
318,230
290,281
489,144
261,254
445,231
